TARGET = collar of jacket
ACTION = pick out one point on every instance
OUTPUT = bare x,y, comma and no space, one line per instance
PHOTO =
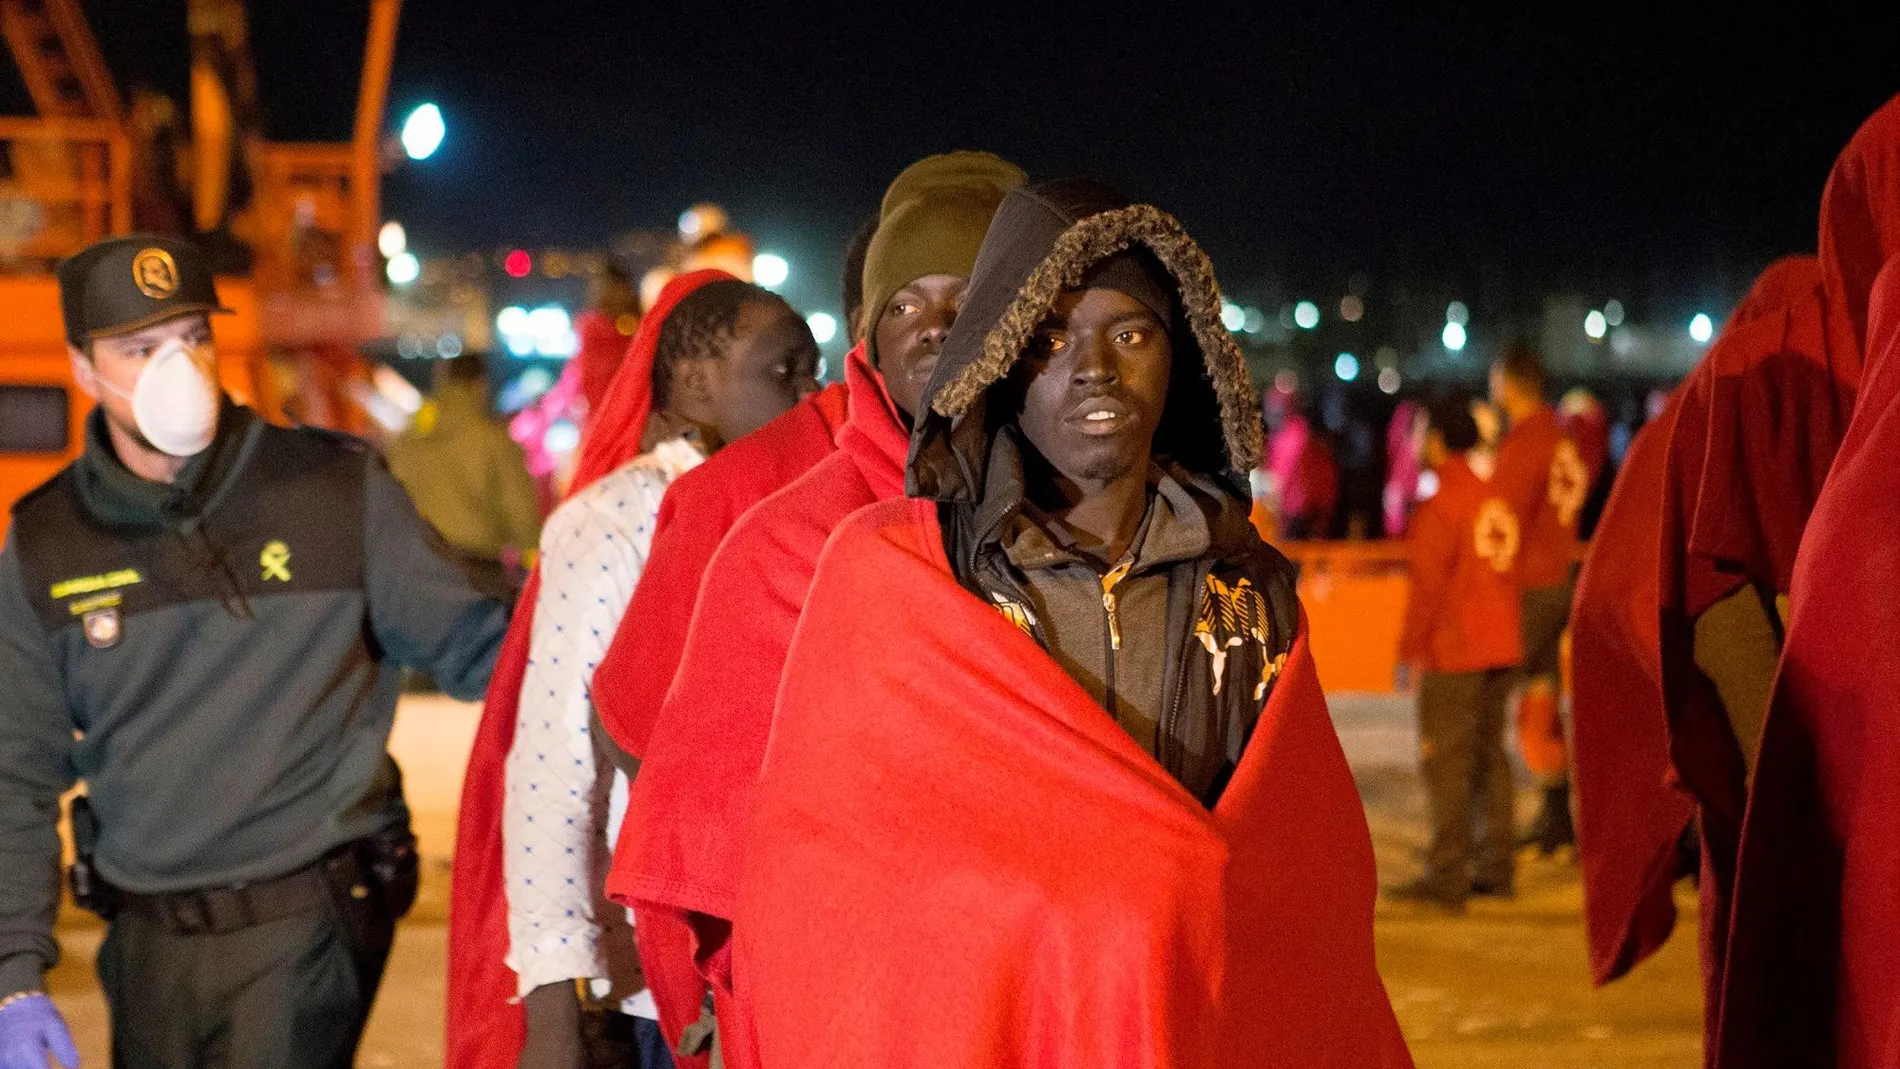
115,496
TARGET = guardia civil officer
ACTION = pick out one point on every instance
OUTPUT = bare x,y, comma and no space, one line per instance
202,618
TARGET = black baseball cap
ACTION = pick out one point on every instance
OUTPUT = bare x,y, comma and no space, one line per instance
126,283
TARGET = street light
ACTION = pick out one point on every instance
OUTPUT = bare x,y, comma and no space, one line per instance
403,268
1596,325
824,327
1454,336
422,132
1701,328
770,270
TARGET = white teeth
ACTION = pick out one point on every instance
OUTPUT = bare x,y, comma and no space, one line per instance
1093,416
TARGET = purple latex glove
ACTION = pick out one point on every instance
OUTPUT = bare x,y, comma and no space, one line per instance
29,1028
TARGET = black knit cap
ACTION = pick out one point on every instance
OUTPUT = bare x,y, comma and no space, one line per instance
127,283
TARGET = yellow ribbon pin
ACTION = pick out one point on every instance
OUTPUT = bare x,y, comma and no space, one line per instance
276,561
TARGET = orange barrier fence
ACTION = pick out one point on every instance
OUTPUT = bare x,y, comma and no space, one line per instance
1354,594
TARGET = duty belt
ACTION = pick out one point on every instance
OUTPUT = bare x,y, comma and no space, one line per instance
219,910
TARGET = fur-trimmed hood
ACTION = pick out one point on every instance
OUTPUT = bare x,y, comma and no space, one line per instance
1043,240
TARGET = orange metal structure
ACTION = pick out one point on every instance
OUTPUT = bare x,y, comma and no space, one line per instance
289,349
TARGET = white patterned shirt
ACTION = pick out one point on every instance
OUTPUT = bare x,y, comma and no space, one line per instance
563,805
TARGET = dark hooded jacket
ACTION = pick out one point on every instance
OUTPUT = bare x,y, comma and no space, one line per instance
1210,616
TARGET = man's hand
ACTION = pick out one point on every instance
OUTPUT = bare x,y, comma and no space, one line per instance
30,1028
554,1029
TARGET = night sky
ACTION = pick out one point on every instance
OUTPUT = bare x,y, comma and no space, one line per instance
1665,156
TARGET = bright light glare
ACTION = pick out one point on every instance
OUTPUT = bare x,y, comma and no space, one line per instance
1456,312
562,437
552,330
1389,380
770,270
1346,367
392,240
1613,312
1232,316
512,320
1595,325
1701,328
824,326
1253,320
422,132
1306,315
403,268
1454,336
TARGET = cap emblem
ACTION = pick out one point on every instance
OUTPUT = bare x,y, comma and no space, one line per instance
155,273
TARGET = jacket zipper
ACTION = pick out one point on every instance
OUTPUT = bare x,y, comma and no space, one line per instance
1109,582
1170,718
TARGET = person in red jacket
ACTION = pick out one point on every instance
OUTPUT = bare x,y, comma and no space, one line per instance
1544,478
1462,636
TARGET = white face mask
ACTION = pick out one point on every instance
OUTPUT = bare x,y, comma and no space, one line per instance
175,401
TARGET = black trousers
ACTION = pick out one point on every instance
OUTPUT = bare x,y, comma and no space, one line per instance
287,994
1467,778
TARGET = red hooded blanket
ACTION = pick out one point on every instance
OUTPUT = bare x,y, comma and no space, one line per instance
1630,814
957,859
1814,974
699,508
485,1023
679,858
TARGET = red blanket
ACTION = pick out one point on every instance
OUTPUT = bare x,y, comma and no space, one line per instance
1630,814
700,507
957,859
1814,976
485,1022
679,859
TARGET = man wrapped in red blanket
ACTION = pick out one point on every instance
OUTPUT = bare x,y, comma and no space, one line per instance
1051,780
678,861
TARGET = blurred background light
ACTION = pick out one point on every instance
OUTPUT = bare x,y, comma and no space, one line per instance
1595,325
1456,312
1453,336
392,240
1306,315
824,326
1346,366
1232,316
1390,380
770,270
423,131
1701,328
1613,312
403,268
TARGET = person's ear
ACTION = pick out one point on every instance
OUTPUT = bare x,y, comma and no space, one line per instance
85,375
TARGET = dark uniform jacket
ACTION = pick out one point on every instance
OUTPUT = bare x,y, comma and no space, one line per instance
216,658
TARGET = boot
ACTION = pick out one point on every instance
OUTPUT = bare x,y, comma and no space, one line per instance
1552,829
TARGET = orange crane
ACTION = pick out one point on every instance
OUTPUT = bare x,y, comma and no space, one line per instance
67,179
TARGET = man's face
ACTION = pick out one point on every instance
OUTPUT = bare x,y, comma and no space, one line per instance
769,362
1096,382
111,371
909,334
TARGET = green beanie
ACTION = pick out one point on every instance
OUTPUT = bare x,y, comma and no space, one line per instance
932,223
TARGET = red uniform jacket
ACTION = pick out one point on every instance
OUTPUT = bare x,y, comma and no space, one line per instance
957,859
679,856
1464,544
1543,476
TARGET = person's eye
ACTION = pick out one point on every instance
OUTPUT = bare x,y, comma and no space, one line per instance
1133,336
905,308
1051,343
